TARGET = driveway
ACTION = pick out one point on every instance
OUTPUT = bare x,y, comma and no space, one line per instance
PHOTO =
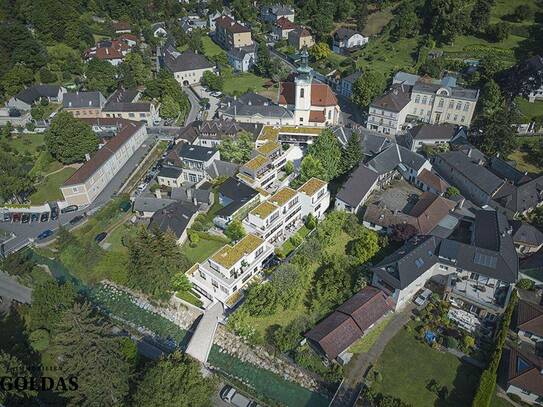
213,101
12,290
194,105
24,232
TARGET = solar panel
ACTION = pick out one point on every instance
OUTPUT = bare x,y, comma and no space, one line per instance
419,262
485,260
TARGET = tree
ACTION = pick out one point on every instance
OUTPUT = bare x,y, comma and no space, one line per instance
181,283
367,87
289,167
522,12
320,51
492,100
12,367
311,221
403,232
18,263
407,23
489,67
154,258
235,230
134,71
361,15
445,19
169,108
212,81
332,283
14,176
498,32
480,15
351,155
263,60
101,76
174,381
495,133
365,247
452,192
310,167
49,301
69,139
525,284
261,299
16,79
322,24
287,282
237,150
91,352
327,150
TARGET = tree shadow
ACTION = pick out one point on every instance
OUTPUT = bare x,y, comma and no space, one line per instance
463,388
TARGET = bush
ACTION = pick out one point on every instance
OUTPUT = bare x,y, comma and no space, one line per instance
525,284
451,342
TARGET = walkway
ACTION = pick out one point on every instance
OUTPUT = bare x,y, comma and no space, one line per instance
202,339
12,290
347,394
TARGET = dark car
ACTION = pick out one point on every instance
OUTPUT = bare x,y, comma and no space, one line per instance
100,236
16,217
35,217
54,213
44,217
76,219
25,218
69,208
45,234
7,217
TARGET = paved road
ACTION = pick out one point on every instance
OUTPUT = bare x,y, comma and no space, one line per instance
12,290
213,101
24,232
194,105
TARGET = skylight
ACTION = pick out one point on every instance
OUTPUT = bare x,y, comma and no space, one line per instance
485,260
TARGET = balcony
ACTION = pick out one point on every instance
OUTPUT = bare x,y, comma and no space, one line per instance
490,295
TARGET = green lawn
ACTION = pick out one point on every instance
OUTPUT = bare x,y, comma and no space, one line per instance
407,366
530,110
499,402
203,249
115,238
210,48
49,188
377,21
288,246
242,83
523,163
364,344
26,143
503,8
190,298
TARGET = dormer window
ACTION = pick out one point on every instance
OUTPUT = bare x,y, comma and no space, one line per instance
302,92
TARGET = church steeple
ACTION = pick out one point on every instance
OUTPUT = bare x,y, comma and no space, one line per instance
305,72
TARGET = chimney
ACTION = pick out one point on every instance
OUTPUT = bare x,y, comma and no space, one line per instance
87,157
469,152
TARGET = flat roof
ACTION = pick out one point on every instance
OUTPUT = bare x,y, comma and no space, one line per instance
264,210
282,196
229,255
257,162
270,133
269,147
311,186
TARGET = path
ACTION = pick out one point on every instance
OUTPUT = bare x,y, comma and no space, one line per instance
12,290
351,386
194,105
202,339
76,166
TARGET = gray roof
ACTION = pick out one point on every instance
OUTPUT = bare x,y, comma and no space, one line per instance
524,233
127,107
281,9
504,169
344,33
239,53
83,99
405,78
219,168
455,91
477,174
123,96
433,131
394,100
372,142
196,153
170,172
237,193
271,110
520,198
394,155
34,92
142,204
352,77
186,61
357,186
174,218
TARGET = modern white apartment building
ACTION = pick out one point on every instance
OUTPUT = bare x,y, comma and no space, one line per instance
314,197
261,170
225,273
91,178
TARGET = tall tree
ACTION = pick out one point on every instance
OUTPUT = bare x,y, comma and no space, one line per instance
69,139
352,153
175,381
492,100
235,230
367,87
333,283
327,150
90,352
49,301
134,71
101,76
12,367
480,15
445,19
237,150
365,247
310,167
495,133
14,177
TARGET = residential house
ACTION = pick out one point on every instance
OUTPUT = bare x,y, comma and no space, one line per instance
125,104
170,177
333,336
429,181
84,186
314,197
527,238
527,320
210,133
129,39
300,38
112,51
431,135
195,160
346,40
121,27
236,199
387,113
176,218
532,68
212,17
522,376
159,30
281,27
187,67
223,275
84,104
357,189
231,34
24,100
405,78
346,84
146,207
242,59
371,142
192,22
477,265
271,14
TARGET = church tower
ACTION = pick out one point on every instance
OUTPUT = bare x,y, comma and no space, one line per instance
302,87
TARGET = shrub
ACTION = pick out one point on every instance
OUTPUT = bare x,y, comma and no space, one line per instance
525,284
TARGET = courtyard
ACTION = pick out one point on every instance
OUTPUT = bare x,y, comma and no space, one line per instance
399,196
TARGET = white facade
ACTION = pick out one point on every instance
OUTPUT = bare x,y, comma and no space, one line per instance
536,95
387,121
356,40
191,77
441,107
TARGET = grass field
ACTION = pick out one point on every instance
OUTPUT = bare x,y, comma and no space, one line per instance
530,110
48,189
242,83
386,56
26,143
204,248
522,159
364,344
502,8
377,21
499,402
407,366
116,237
210,48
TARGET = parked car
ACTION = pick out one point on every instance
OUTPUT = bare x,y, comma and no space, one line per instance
232,396
69,208
423,297
7,217
16,217
44,217
25,218
76,219
54,213
141,187
100,236
45,234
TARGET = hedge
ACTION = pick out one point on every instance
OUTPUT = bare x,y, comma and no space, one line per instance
487,383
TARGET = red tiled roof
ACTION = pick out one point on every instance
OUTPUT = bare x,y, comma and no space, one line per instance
321,94
108,53
525,375
128,37
317,116
285,24
101,156
433,181
429,210
120,26
529,317
229,24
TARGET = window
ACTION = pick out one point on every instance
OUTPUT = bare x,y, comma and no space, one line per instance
131,115
75,189
202,275
417,99
458,105
214,283
441,101
463,119
424,100
301,119
455,117
329,114
466,107
451,104
302,91
442,267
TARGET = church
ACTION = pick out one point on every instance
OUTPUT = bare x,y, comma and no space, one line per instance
301,102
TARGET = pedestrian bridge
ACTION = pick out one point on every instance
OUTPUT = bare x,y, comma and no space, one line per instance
202,339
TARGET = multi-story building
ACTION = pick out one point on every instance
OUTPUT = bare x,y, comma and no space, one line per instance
187,67
261,170
300,38
126,104
387,113
231,268
345,39
27,97
346,84
91,178
195,160
314,197
84,104
271,14
231,34
282,27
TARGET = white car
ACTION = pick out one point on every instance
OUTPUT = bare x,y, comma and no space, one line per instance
232,396
423,297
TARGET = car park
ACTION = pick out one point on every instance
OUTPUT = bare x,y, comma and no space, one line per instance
44,217
25,218
69,208
100,236
76,219
45,234
423,296
54,213
235,398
